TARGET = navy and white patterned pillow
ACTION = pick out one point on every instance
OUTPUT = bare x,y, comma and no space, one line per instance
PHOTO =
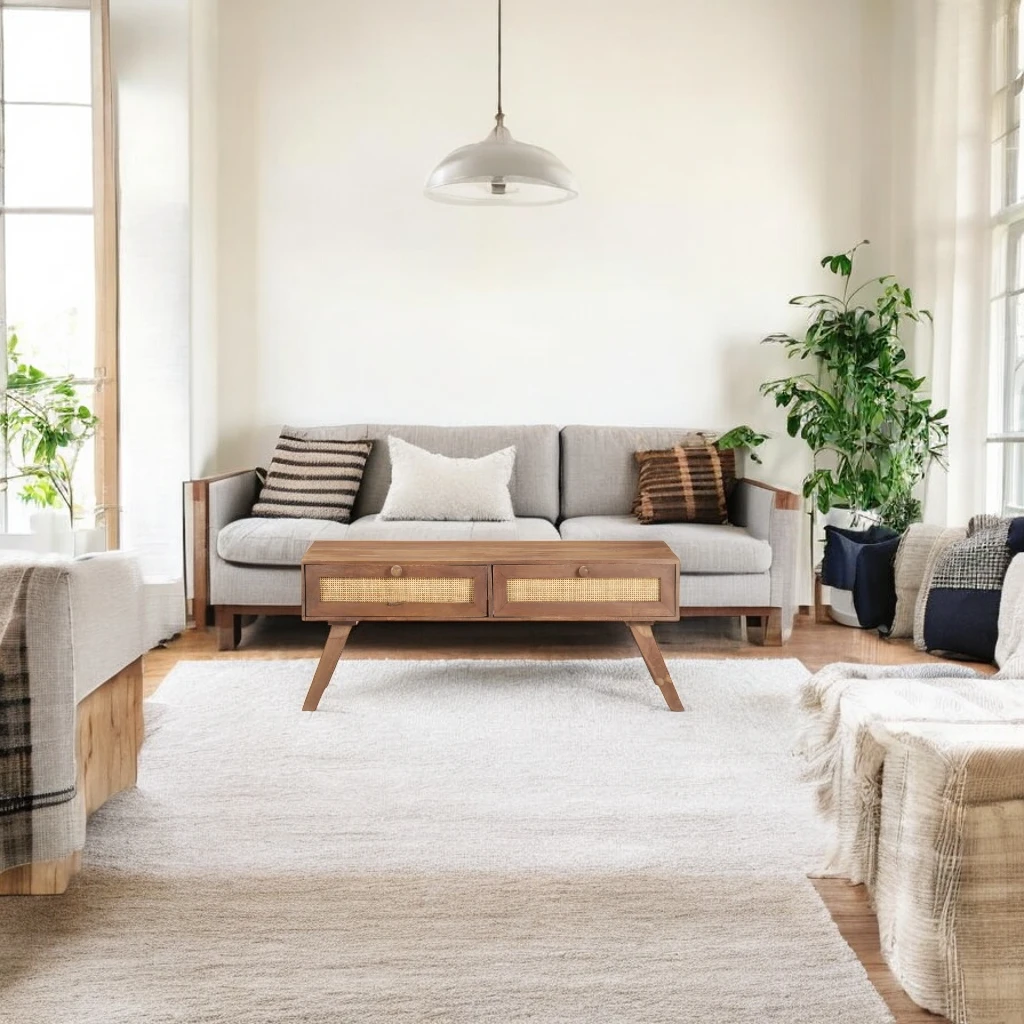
962,609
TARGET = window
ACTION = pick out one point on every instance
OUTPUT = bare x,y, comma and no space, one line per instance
1006,398
47,224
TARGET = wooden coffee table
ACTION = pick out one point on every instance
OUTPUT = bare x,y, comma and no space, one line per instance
348,582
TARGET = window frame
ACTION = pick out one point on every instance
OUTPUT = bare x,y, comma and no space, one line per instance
103,211
1006,438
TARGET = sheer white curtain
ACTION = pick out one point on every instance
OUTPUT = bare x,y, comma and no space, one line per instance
940,58
150,64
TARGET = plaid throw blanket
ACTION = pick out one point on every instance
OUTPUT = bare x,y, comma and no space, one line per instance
40,817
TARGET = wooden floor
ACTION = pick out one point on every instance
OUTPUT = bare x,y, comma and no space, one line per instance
813,644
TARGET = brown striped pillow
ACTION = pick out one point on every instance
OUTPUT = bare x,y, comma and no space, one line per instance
312,479
685,484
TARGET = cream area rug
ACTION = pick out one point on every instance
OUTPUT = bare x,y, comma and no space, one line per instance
460,841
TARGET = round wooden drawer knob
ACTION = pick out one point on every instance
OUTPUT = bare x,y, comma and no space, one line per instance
396,570
583,570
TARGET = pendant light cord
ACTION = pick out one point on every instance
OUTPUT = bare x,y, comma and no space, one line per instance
501,113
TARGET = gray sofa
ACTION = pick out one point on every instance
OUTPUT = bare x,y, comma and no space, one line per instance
576,483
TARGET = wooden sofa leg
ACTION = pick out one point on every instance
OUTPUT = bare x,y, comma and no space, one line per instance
229,629
110,735
771,628
50,878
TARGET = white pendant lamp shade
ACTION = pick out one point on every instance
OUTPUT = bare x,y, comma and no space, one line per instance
499,171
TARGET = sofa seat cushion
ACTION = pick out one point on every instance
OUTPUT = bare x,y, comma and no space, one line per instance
701,547
375,528
260,541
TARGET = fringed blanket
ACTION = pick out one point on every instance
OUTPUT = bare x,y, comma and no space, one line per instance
949,892
820,699
902,703
822,740
40,808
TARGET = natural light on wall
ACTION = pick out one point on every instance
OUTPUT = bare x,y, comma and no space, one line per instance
47,257
1006,395
149,53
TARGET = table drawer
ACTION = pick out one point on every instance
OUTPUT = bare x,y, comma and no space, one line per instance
574,591
394,591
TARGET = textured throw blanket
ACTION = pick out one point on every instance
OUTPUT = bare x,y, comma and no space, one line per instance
40,816
948,890
1010,645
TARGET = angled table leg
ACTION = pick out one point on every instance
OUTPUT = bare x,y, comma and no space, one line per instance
336,640
651,653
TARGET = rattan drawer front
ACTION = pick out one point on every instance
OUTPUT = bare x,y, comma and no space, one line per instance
392,591
365,591
604,591
623,588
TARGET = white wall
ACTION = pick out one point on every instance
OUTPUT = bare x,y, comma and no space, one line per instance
203,206
149,41
719,152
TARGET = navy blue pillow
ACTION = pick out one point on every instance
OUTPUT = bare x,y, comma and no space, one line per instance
842,550
963,623
874,589
1015,535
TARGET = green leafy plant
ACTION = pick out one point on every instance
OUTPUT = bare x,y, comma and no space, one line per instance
744,438
44,422
862,412
900,511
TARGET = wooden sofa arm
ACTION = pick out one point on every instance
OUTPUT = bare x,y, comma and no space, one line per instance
197,510
788,501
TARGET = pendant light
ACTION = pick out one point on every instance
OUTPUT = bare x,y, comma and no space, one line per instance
500,171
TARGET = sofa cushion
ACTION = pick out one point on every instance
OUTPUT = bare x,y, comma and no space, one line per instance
274,541
425,485
599,470
534,484
701,547
375,528
312,479
685,484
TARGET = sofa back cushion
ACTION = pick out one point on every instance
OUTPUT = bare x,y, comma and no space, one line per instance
534,485
599,470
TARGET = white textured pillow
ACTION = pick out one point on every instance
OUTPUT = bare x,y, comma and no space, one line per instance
425,485
911,560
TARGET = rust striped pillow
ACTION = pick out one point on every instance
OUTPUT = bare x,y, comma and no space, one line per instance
685,484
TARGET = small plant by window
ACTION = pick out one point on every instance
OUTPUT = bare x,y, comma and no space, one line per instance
44,425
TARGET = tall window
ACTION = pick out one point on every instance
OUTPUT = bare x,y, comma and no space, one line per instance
47,244
1006,399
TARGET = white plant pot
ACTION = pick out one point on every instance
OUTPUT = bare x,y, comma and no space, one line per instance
847,519
841,609
90,541
53,531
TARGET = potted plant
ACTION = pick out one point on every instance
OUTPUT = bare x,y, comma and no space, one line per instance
45,426
860,408
744,439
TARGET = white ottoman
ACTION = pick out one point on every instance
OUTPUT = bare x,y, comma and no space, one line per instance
861,759
949,890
